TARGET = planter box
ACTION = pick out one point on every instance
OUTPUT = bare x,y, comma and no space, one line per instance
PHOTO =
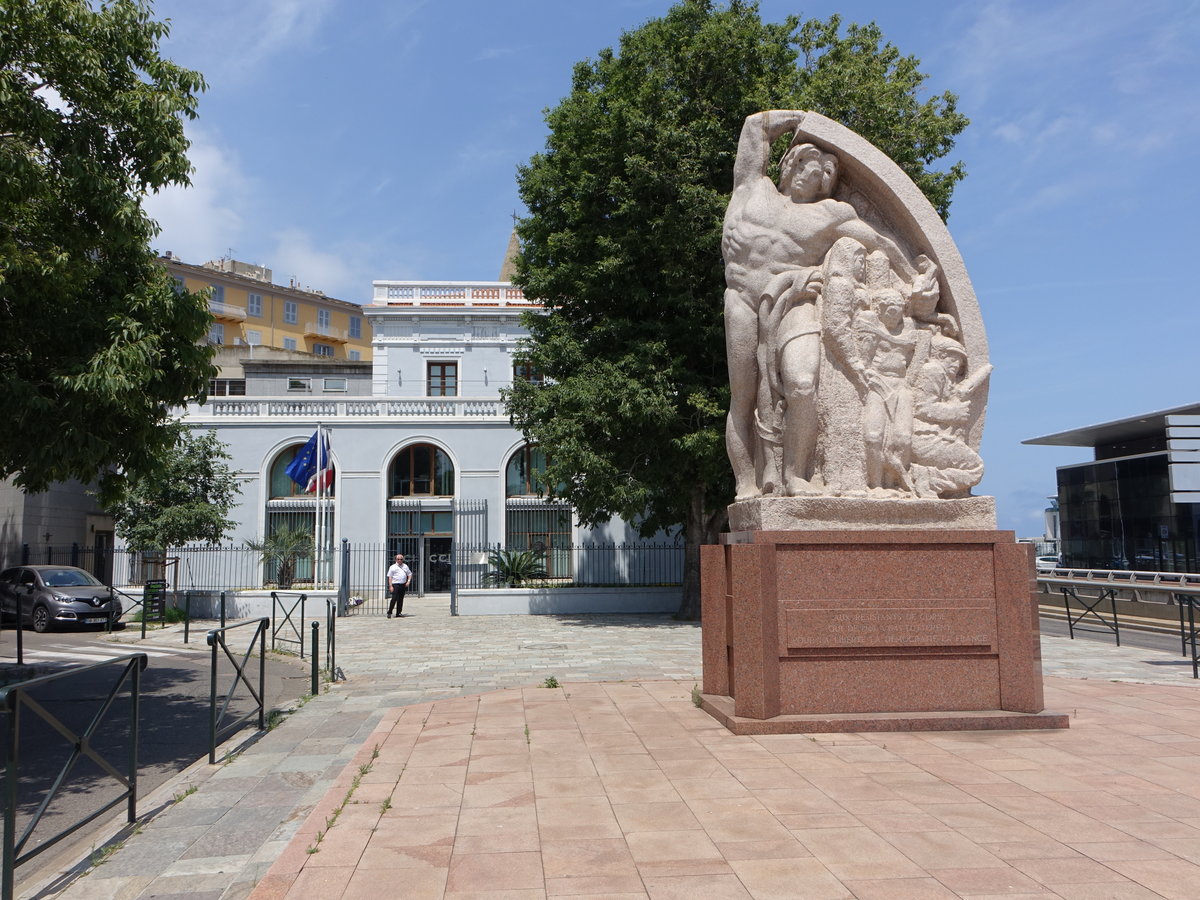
567,601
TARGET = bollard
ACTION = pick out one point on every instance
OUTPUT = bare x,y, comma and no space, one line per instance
187,614
20,634
315,650
222,609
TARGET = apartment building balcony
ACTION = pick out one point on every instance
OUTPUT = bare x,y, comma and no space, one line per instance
326,332
224,312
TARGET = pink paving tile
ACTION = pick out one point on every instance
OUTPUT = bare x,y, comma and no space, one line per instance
800,822
339,847
662,816
786,879
411,884
697,887
656,851
596,887
571,818
1124,891
882,824
326,882
500,820
428,856
423,796
584,786
795,801
943,849
1175,879
900,889
495,872
714,786
990,880
1041,848
1054,872
604,857
493,795
784,849
639,787
414,828
856,853
434,775
1106,852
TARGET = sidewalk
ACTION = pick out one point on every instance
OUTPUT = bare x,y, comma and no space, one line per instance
442,769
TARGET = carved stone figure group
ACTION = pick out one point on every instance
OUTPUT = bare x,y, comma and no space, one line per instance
832,330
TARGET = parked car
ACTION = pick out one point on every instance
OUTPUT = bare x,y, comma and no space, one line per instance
56,595
1048,563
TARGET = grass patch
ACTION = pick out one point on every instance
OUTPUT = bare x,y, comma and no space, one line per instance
551,682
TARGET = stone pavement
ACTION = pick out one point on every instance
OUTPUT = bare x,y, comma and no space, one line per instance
474,781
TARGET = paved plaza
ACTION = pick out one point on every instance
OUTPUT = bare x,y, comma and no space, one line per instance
443,767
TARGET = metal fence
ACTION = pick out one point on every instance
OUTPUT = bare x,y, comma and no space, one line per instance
357,571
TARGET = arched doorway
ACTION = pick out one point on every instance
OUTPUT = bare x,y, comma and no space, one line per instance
420,516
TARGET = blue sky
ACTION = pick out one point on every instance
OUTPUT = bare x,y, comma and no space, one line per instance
343,141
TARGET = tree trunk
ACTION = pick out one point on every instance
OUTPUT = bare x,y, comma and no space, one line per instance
701,527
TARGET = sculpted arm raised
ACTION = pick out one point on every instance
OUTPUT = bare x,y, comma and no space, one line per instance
759,131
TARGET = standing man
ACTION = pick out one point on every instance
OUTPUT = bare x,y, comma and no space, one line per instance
398,576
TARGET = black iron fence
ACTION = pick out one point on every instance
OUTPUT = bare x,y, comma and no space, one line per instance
32,733
357,572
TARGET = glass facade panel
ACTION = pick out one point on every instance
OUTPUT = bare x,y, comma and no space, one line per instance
1118,514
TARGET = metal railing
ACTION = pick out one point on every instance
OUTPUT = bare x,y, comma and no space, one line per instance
1179,588
218,729
282,621
17,698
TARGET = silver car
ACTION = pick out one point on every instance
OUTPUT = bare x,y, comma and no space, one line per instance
56,595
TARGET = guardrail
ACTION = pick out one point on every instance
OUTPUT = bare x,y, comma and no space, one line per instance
17,697
216,640
1182,589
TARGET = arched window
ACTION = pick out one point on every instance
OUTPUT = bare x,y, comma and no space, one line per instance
530,522
421,470
282,486
290,507
525,473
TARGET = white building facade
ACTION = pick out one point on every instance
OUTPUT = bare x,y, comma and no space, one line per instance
425,457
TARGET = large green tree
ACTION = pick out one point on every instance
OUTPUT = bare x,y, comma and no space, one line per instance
96,343
184,499
622,244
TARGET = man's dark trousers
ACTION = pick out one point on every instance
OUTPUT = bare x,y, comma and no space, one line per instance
397,602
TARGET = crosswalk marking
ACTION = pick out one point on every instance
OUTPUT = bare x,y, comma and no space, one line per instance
67,653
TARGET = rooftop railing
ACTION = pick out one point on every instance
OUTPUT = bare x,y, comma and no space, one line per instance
449,293
355,409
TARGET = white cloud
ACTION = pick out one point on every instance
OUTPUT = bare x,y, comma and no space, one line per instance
201,222
296,257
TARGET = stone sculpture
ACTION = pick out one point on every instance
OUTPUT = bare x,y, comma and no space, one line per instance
857,362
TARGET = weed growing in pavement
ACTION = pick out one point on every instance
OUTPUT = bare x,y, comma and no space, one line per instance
332,818
696,700
527,732
550,682
275,718
101,856
385,805
184,794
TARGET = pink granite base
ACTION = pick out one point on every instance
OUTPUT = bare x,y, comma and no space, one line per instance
813,630
721,709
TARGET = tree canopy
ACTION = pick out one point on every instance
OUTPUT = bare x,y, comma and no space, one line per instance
185,499
621,244
97,342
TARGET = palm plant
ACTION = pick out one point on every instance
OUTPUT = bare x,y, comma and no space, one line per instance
283,548
514,567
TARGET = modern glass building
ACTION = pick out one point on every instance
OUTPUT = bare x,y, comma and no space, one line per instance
1136,505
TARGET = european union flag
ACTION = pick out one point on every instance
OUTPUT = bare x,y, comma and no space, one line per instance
303,469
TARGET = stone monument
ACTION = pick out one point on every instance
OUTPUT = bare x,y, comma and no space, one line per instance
861,586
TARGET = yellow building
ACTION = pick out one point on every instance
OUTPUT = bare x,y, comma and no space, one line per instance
250,312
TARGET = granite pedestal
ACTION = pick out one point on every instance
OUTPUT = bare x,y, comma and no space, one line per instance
871,630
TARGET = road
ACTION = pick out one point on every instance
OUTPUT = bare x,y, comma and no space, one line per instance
1093,631
173,717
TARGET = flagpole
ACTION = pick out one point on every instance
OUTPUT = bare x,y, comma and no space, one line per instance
317,523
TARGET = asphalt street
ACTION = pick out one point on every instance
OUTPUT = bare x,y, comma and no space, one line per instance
173,716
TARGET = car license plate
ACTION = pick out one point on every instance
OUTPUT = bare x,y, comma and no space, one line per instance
91,620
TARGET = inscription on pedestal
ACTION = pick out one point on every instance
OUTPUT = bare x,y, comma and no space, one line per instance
825,626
